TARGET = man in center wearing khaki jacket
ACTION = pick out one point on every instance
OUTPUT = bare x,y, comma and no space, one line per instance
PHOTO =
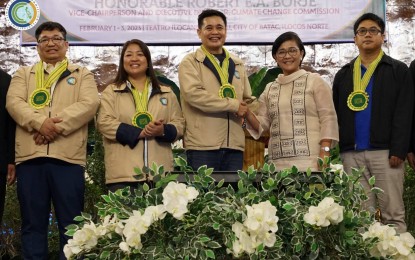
213,85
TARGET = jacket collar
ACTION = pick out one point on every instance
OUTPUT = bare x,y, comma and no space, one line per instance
385,59
69,70
125,88
200,56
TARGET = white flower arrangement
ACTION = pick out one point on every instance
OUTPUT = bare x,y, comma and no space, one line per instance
327,212
176,196
87,238
390,244
258,228
272,215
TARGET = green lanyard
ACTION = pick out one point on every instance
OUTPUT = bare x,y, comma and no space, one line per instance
141,98
359,83
226,90
358,100
40,97
222,71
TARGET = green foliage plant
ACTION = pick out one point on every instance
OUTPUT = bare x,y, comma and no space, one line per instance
206,229
261,78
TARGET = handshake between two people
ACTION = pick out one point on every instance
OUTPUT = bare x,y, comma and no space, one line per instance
243,109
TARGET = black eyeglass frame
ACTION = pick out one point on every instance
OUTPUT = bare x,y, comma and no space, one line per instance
372,31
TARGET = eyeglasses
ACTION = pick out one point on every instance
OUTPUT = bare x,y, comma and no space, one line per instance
372,31
292,51
55,40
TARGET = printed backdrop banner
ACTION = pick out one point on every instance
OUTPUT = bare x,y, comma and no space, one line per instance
174,22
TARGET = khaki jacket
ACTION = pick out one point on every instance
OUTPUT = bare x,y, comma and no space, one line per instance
211,122
123,150
74,99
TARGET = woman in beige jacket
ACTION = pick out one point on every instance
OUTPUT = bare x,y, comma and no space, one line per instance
138,118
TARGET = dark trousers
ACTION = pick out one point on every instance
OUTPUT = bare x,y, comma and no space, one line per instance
219,160
3,180
40,181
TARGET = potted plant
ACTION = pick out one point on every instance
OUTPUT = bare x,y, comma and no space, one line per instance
272,215
254,153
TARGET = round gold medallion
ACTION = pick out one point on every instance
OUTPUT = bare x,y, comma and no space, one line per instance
141,119
227,91
40,98
358,100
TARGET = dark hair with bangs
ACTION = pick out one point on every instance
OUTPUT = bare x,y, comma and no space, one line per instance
209,13
50,26
288,36
372,17
122,74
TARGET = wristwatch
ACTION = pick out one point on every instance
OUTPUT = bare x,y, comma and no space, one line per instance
325,148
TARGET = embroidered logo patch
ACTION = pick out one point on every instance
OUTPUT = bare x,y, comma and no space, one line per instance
163,101
71,81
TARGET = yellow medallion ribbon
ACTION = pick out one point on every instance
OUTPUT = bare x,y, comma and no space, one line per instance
40,97
358,100
226,90
141,118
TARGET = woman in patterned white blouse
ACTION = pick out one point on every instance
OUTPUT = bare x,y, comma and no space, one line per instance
297,108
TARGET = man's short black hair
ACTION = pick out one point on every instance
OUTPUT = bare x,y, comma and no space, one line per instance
370,16
50,26
209,13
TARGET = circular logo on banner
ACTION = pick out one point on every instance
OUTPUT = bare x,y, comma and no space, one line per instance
22,14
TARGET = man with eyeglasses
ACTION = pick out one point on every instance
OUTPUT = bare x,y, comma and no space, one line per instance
213,85
52,103
373,97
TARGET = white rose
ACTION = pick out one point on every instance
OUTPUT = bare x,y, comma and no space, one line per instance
174,192
326,203
67,251
386,247
337,167
390,243
315,216
134,241
236,248
247,243
155,212
335,214
238,228
405,243
261,218
191,193
136,224
124,247
119,227
268,239
178,193
177,210
86,236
